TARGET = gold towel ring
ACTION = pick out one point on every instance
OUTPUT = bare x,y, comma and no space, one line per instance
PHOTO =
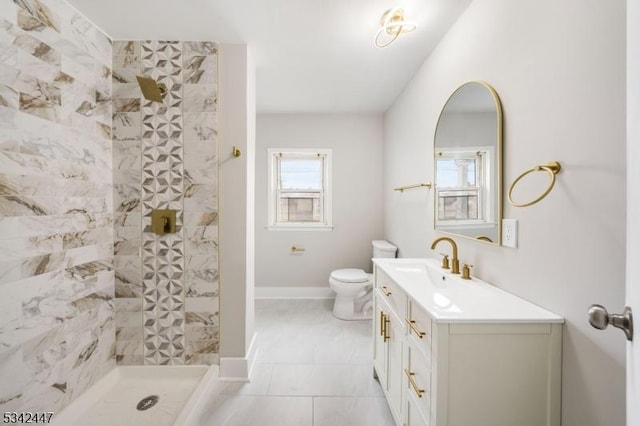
552,168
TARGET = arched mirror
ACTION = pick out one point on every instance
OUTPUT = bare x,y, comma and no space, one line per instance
468,164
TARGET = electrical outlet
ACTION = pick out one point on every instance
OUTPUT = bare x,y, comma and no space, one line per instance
510,233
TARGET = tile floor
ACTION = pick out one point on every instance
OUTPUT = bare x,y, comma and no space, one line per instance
312,370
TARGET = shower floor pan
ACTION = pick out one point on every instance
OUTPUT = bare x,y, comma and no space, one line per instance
140,396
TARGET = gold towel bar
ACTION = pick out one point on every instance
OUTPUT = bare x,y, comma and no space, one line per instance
552,168
417,185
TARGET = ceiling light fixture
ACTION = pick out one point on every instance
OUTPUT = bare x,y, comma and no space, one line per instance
392,24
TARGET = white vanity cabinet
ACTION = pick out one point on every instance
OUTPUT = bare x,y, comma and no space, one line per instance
388,355
450,352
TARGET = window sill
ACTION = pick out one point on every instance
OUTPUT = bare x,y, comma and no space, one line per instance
303,228
465,225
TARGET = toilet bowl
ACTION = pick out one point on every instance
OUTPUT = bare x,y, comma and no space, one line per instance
354,287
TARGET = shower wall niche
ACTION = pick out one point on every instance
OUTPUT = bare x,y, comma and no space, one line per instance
165,157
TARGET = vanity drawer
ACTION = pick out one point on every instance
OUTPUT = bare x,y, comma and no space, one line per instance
391,293
415,417
419,326
418,374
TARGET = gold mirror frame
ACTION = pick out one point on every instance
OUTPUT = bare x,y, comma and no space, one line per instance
499,172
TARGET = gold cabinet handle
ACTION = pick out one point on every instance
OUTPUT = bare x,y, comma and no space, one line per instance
386,328
381,323
417,390
385,290
412,325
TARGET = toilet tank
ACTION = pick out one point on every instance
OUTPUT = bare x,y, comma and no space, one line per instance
382,248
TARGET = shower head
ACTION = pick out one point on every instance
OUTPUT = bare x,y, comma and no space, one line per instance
151,90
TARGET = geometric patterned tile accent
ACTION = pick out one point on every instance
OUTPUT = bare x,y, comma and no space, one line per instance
175,158
162,188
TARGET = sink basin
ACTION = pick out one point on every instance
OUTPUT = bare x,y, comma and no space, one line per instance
449,298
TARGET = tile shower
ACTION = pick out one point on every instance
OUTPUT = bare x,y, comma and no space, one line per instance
83,160
165,156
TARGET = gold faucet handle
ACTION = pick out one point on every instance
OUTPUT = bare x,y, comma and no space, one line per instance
466,270
445,260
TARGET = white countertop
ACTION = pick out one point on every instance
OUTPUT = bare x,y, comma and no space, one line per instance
448,298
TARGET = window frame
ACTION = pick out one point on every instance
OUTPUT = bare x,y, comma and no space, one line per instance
484,172
274,155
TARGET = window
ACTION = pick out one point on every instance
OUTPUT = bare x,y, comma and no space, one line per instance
463,177
299,189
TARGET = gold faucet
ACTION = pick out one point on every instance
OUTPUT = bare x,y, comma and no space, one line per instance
455,263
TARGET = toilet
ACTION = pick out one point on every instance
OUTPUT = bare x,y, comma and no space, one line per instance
354,287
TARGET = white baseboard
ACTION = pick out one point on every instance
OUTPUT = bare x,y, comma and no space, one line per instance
236,369
294,293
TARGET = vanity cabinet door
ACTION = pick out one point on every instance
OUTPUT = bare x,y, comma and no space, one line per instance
388,343
380,347
395,333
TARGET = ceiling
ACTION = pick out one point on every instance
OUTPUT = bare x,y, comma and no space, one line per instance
310,55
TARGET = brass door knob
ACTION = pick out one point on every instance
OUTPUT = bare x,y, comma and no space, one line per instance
599,318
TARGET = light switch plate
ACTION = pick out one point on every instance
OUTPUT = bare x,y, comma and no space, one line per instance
510,233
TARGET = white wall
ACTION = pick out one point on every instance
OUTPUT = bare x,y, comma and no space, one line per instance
356,141
237,118
559,68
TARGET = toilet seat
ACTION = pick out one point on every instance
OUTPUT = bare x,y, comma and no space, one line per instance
354,287
350,275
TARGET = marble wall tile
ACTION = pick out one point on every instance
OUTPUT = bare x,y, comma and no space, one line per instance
128,284
8,55
9,97
200,97
202,288
197,332
200,169
17,248
124,89
57,331
202,279
31,226
201,197
129,352
37,28
36,48
199,131
200,218
9,11
126,126
201,240
127,218
202,319
199,352
40,12
126,105
35,66
201,69
126,54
